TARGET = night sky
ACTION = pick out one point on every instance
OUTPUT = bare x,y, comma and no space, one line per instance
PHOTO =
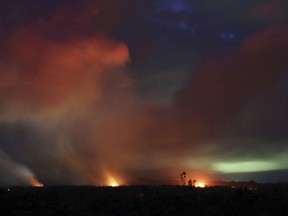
138,91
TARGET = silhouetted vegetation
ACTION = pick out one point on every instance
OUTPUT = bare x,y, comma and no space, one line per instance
183,178
268,199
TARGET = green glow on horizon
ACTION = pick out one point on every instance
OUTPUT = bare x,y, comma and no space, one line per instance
241,167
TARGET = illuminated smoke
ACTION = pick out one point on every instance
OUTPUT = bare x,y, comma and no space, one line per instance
49,79
111,180
18,171
74,95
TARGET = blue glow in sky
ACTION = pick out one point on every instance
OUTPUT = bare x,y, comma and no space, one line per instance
176,6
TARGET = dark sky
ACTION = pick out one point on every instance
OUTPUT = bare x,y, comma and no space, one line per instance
98,91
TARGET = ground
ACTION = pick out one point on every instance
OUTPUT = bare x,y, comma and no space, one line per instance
144,200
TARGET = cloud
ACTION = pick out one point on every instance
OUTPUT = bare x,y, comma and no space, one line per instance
44,76
271,12
220,88
203,125
73,96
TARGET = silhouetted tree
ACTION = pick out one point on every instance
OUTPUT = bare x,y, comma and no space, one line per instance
183,177
194,181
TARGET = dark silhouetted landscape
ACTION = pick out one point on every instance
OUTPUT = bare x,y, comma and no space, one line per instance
267,199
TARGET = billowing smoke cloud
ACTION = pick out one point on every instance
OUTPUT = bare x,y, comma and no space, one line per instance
52,84
220,88
73,94
50,77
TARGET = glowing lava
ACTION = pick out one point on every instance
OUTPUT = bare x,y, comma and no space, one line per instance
200,184
36,183
111,181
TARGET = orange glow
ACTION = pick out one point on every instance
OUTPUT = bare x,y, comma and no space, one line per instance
200,184
111,181
36,183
